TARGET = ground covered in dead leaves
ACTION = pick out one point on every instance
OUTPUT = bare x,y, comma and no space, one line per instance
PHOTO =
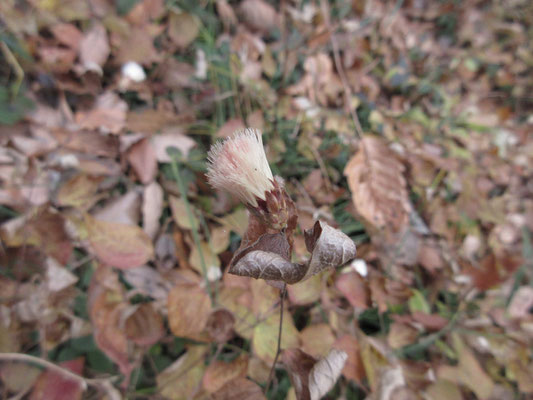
407,125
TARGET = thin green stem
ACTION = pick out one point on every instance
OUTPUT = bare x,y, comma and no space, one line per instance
194,230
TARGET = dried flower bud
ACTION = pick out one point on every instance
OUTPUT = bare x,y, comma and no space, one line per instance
239,166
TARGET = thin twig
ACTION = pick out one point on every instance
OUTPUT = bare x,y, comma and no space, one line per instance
84,382
271,374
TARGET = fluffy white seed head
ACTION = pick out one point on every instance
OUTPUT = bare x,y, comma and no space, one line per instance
239,166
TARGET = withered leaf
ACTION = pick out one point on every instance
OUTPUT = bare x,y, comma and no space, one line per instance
266,265
378,186
312,379
144,326
182,378
329,248
239,389
220,325
119,245
188,310
268,257
219,373
94,49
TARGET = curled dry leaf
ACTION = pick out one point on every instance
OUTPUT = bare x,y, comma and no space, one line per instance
312,379
378,186
269,256
329,248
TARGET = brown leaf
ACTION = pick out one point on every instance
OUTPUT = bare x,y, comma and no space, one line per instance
353,369
137,46
57,59
240,389
219,373
330,248
145,325
521,303
148,282
87,142
182,28
188,310
270,266
259,15
79,192
220,325
67,34
171,139
352,286
142,158
226,13
105,303
94,49
119,245
152,208
317,339
230,127
468,372
312,379
44,230
182,379
378,187
108,114
124,209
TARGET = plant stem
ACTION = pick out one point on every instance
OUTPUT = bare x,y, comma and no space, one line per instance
194,229
271,374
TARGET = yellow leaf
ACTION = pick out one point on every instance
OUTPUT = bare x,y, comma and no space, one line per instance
265,338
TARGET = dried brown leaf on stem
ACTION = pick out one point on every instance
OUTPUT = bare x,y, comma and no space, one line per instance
268,257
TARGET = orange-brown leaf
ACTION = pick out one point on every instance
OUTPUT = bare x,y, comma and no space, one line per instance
378,187
188,310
